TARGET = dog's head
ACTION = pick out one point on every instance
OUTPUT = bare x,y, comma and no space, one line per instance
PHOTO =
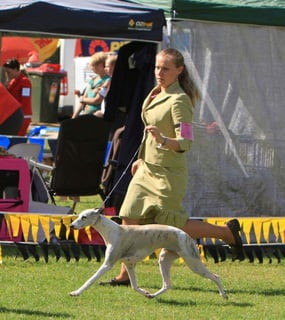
86,218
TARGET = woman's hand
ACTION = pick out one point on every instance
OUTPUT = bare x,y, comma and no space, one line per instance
153,130
135,166
162,141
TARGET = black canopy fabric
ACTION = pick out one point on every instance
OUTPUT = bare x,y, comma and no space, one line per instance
72,18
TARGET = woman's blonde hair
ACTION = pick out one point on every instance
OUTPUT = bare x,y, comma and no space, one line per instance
97,58
185,80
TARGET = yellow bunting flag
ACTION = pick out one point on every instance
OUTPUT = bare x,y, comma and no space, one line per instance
76,235
15,224
45,222
57,225
147,258
157,252
67,221
25,223
266,226
8,224
246,227
181,260
88,232
257,229
202,253
34,219
282,229
275,227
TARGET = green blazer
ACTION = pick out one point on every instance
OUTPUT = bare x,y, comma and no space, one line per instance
167,111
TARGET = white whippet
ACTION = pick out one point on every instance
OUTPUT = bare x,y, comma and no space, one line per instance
131,244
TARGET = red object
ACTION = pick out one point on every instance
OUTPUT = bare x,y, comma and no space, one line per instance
110,211
21,89
95,237
49,67
8,104
64,85
19,48
46,67
15,164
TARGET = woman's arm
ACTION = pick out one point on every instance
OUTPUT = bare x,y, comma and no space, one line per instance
165,142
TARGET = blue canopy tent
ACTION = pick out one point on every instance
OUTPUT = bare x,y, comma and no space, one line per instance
70,18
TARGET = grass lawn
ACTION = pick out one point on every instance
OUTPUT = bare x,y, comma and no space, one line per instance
31,290
39,290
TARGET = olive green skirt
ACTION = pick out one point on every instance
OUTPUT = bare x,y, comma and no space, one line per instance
155,195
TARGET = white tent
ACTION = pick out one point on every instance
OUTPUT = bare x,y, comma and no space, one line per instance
236,52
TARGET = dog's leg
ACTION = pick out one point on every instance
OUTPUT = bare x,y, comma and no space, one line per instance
191,256
166,258
130,266
103,269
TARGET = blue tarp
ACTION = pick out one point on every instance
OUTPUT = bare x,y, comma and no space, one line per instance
72,18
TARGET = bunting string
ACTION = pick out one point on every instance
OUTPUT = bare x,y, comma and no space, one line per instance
32,227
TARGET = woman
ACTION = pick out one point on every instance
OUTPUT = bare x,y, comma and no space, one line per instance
91,100
160,174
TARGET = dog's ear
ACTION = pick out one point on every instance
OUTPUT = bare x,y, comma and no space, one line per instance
99,210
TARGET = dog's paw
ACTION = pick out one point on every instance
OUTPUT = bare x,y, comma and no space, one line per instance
225,296
149,295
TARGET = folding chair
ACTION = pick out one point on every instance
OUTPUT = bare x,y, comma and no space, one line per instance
25,150
80,154
79,161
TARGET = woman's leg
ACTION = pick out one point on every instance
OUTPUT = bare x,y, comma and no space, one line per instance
199,229
123,275
122,278
229,233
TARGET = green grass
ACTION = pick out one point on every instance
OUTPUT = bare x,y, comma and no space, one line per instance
36,290
31,290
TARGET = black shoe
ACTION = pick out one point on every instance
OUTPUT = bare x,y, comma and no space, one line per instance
237,252
115,283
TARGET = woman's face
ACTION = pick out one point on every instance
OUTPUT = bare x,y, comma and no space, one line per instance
11,73
98,68
109,67
166,71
